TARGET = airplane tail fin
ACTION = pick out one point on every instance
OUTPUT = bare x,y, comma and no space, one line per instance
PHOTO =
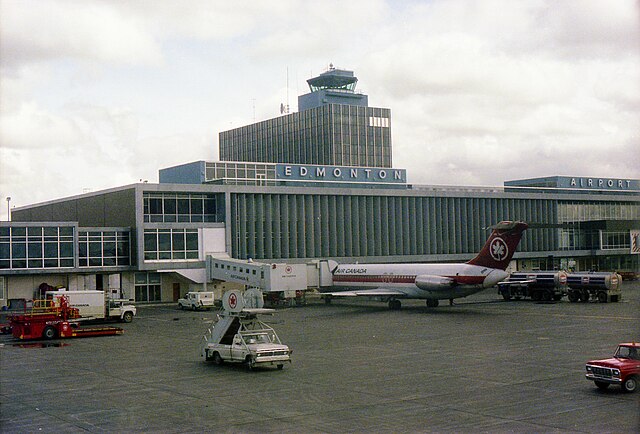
501,245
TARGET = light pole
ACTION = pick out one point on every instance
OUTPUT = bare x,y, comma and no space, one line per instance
8,208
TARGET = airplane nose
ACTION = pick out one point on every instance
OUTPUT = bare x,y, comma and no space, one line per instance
494,277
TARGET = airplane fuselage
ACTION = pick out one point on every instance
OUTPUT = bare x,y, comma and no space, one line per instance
424,281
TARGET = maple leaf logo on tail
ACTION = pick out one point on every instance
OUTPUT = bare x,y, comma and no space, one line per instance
499,249
500,246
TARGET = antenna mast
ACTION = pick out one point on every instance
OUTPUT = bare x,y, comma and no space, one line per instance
284,107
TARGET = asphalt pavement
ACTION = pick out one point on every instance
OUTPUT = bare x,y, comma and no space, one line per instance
482,365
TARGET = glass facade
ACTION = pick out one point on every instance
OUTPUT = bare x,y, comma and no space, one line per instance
104,248
34,247
241,173
332,134
612,240
148,287
580,211
585,211
170,244
182,207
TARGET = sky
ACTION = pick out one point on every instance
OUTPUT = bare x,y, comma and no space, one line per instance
96,94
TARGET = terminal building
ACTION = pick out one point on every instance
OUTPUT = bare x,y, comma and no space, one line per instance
295,190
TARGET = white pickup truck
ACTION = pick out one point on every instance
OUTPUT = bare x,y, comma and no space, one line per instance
196,300
241,337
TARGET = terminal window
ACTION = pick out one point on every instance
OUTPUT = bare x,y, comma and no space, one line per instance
103,248
148,287
180,207
36,247
170,244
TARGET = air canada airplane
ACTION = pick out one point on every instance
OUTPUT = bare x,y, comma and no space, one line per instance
433,282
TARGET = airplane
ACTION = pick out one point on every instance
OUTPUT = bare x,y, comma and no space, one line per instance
433,282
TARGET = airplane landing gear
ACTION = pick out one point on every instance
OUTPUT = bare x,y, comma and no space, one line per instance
432,302
394,304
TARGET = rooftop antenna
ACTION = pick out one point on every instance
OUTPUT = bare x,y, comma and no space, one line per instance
284,108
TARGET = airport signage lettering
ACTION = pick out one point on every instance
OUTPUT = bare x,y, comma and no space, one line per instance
604,183
340,174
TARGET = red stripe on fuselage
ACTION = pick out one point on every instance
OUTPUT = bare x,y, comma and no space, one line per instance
406,279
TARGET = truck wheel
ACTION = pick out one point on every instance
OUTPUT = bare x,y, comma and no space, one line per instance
49,332
601,385
546,296
584,296
630,384
127,317
536,296
506,295
217,359
573,296
249,363
280,367
557,297
602,297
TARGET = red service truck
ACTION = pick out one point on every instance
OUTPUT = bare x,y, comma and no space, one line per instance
622,369
48,319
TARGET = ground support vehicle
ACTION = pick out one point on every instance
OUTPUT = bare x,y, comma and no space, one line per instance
196,300
538,285
285,298
622,369
239,336
601,286
48,320
95,305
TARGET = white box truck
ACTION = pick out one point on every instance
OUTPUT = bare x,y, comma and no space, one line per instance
94,304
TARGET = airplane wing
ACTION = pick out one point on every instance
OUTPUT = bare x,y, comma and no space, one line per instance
377,292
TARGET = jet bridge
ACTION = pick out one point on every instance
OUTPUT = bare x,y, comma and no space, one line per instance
269,277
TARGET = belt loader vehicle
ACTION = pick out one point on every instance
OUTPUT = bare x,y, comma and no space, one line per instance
239,336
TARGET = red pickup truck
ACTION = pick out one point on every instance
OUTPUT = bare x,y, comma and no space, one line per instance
623,368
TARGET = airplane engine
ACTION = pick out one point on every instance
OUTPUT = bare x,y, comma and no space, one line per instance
434,283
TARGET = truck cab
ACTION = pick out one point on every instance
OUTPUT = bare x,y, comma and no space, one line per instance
622,369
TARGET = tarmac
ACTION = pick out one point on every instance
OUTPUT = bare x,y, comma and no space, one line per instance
482,365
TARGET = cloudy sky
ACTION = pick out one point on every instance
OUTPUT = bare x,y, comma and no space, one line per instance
97,94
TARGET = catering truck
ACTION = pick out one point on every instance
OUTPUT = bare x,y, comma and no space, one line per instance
95,305
622,369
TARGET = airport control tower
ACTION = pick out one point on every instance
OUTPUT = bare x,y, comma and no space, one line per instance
335,86
334,126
